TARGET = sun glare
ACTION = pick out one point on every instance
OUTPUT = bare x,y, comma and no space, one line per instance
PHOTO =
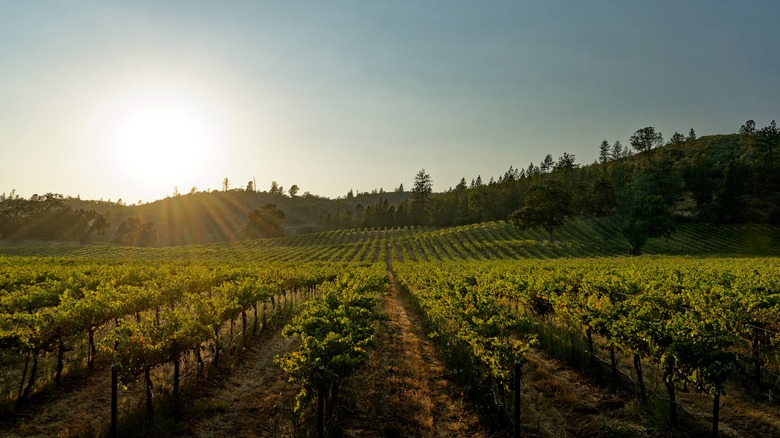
162,138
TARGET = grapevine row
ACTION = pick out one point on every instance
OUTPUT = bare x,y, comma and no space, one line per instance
699,321
336,329
152,313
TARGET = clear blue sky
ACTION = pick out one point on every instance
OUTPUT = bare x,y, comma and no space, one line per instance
110,100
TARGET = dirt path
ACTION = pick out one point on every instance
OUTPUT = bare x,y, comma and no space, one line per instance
253,399
740,414
403,390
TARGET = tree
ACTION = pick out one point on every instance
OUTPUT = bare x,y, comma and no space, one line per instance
602,198
691,135
225,185
250,186
728,202
134,233
676,140
547,205
649,217
423,186
604,155
532,170
767,143
400,189
646,138
700,182
268,221
275,189
547,164
617,150
293,191
566,162
747,133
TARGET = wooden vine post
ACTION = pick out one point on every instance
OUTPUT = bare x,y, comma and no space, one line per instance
518,375
114,384
321,404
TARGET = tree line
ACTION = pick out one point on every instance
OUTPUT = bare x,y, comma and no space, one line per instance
47,217
654,185
650,184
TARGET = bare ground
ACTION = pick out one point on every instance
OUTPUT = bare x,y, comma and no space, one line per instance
80,407
403,391
558,402
253,399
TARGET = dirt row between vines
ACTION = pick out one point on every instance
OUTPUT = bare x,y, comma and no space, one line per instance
251,399
403,390
80,407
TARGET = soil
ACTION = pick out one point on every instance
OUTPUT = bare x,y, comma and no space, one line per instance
252,399
80,407
403,391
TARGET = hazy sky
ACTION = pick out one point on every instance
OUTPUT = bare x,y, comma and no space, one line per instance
108,99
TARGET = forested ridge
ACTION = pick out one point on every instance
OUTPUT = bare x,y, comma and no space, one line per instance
652,186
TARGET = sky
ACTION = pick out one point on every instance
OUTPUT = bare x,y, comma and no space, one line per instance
133,100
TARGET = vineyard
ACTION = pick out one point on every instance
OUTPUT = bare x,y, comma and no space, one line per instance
485,241
692,327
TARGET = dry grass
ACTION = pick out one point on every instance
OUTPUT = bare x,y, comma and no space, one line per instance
81,406
558,402
250,399
740,415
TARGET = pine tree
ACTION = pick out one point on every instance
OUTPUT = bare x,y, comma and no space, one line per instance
604,154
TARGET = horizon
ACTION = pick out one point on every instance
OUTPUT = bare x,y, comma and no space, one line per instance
128,101
355,192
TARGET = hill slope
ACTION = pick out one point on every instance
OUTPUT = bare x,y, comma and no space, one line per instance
493,240
220,216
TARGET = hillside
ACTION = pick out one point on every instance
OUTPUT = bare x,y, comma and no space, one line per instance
220,216
487,241
718,179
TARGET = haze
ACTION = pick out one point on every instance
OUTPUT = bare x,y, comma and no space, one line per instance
129,100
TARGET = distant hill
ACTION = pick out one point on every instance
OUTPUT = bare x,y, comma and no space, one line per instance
209,217
716,179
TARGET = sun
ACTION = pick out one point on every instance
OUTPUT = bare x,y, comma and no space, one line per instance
161,137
